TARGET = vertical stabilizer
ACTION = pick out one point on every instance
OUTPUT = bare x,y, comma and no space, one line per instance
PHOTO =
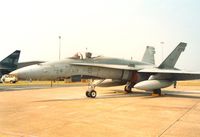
149,55
171,60
11,60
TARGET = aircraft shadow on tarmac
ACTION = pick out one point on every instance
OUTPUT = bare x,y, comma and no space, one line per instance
108,95
165,93
121,94
178,94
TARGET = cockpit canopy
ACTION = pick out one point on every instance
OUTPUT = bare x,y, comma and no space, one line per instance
78,55
88,55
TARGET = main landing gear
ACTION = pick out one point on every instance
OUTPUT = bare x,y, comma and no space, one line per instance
157,92
128,87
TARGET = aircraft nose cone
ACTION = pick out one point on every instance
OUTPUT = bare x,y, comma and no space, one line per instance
13,73
29,72
21,73
16,73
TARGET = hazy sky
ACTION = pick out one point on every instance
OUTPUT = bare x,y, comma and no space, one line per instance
119,28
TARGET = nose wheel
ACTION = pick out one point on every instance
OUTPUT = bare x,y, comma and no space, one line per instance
91,94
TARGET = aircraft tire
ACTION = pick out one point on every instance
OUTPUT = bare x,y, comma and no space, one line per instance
87,93
93,94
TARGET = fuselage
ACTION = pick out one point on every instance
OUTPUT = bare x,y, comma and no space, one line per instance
65,69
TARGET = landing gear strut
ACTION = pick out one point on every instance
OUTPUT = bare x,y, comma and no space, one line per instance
128,87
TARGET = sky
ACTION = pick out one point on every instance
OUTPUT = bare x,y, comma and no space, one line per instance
115,28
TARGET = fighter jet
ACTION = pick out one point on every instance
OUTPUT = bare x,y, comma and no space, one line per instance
143,75
9,63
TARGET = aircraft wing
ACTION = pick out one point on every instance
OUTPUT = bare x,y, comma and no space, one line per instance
171,74
121,67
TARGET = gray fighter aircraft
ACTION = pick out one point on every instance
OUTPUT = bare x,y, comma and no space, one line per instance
142,75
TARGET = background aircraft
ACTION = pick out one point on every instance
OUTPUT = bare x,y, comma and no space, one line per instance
142,75
9,63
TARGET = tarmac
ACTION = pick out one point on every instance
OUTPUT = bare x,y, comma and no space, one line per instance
67,112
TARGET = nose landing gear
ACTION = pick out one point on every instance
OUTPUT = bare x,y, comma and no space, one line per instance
91,93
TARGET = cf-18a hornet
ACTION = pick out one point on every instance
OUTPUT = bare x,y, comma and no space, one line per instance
143,75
